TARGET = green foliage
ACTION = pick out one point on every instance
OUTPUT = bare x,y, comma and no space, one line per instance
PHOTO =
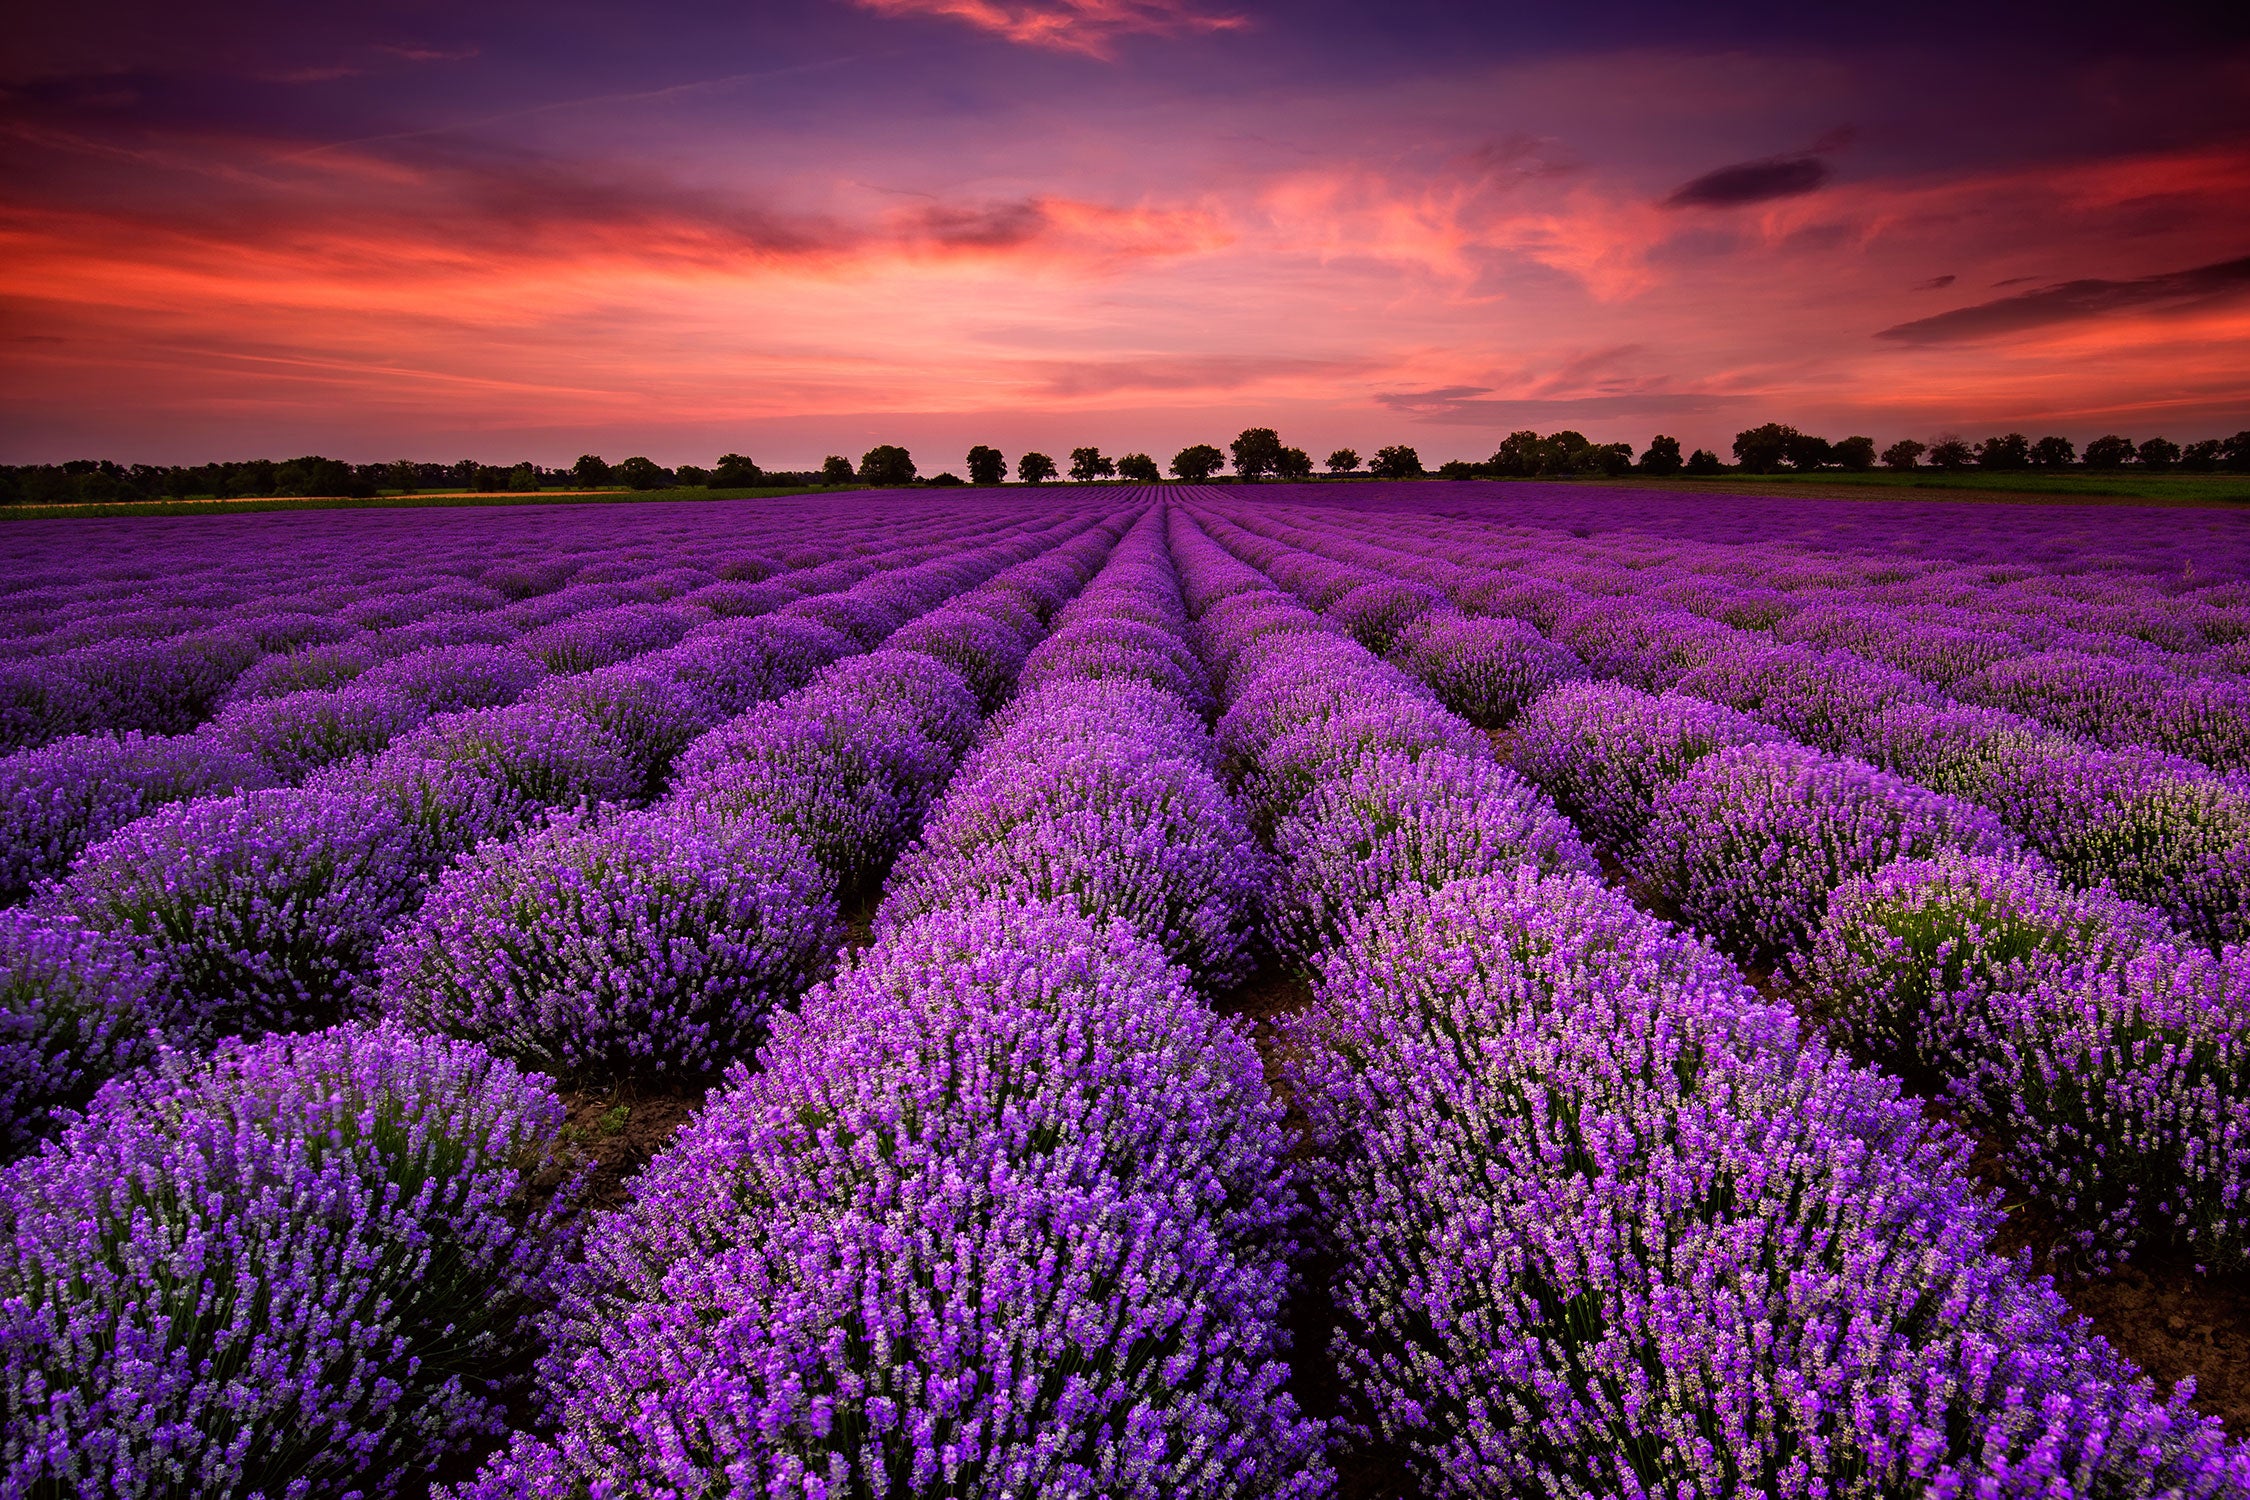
1139,468
886,466
1198,463
1343,461
1396,462
1257,452
1035,468
987,465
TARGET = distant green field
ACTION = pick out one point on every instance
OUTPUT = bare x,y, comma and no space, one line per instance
2161,489
385,502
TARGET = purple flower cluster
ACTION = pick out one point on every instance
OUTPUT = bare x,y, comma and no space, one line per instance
2111,1068
450,678
1002,1212
1606,1226
299,733
643,944
1750,840
260,911
298,1268
75,1008
56,800
544,754
1482,668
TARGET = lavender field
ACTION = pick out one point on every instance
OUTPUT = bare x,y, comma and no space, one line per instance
1363,990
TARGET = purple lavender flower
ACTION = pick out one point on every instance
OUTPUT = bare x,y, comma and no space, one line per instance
261,911
1004,1210
1376,613
985,651
649,712
448,679
646,944
75,1008
1483,669
56,800
300,1267
310,668
302,732
546,754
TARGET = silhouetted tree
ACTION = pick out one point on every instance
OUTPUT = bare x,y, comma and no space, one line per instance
886,465
1139,468
2108,452
523,477
642,474
1343,461
1257,452
987,465
836,469
1951,454
1611,459
464,473
2053,453
1293,463
2234,452
1761,450
735,472
1089,464
2012,451
692,476
1854,453
1807,452
1198,463
1704,461
590,471
1033,468
405,476
1662,457
1396,462
2158,454
1905,453
2200,458
945,481
1518,455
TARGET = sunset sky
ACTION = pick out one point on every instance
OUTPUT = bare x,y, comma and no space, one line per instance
790,229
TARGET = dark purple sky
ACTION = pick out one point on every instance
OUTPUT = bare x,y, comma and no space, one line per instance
798,228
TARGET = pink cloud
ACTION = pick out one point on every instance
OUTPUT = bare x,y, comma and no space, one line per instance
1085,26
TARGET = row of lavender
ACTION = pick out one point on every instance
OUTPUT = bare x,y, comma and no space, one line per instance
251,608
2107,658
1002,1210
2107,1056
309,1264
1608,1222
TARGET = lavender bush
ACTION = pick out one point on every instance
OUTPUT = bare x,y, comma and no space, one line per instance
75,1009
640,945
1001,1213
298,1268
1485,670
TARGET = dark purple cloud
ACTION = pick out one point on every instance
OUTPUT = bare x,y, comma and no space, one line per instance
1751,182
2078,301
1936,283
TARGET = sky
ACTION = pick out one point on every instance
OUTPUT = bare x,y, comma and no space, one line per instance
511,231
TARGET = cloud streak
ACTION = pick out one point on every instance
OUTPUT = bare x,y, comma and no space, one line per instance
1089,27
1750,182
2080,301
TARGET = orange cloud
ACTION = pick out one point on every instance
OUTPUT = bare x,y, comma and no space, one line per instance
1085,26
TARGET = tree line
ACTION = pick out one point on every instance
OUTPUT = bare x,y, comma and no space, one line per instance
1257,453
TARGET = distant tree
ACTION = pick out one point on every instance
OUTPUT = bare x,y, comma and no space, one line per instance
464,473
1139,468
2234,452
887,466
1610,459
693,476
492,479
310,475
2158,454
987,465
735,472
1761,450
1257,452
1396,462
590,471
1088,464
642,474
2201,458
1950,453
1854,453
945,481
1904,454
2053,453
836,469
523,477
1343,461
1197,464
405,476
1704,461
1033,468
2109,452
1807,452
1662,457
2012,451
1519,455
1460,468
1293,463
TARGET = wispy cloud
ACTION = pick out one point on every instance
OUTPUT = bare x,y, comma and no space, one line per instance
2077,302
1090,27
